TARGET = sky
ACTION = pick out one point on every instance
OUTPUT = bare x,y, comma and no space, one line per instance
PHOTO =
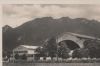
15,15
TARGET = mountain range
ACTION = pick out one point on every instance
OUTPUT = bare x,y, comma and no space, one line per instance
36,31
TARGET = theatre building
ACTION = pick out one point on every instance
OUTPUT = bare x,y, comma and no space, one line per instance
21,50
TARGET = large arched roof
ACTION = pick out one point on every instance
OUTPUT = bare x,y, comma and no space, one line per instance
78,38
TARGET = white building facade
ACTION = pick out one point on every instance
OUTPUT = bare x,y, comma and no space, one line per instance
29,51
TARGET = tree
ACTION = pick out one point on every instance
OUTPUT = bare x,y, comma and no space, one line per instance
94,48
63,50
16,56
80,53
40,52
4,54
24,57
52,47
9,55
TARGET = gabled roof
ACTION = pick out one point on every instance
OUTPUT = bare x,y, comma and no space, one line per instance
30,47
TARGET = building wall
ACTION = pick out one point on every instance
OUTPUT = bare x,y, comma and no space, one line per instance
31,51
20,50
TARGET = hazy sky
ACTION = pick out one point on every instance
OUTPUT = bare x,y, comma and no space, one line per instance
15,15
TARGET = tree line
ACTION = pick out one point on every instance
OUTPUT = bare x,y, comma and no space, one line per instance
52,49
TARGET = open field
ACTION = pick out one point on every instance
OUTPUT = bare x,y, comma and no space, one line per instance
51,64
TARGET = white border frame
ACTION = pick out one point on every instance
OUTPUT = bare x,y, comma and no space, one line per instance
38,2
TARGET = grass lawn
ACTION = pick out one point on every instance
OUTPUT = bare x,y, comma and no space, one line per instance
51,64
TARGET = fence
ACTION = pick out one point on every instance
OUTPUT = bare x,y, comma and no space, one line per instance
59,61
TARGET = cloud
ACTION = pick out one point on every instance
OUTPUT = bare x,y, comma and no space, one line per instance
15,15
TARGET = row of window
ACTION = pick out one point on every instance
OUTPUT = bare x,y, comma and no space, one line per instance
20,51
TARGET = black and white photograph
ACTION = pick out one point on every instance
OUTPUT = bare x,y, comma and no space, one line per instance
51,35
